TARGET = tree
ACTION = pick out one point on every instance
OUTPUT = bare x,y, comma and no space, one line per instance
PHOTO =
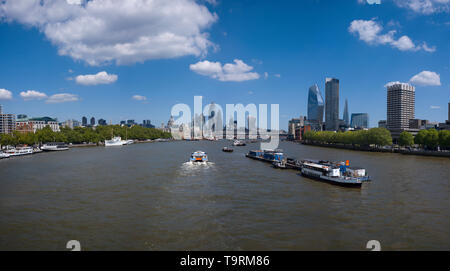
406,139
432,139
420,137
46,135
7,140
379,137
444,139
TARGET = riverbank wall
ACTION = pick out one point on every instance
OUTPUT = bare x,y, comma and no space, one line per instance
373,149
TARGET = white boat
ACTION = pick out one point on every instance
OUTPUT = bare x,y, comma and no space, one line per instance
20,151
199,156
55,146
115,141
3,155
129,142
238,143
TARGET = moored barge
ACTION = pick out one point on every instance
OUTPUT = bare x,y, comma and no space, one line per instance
334,173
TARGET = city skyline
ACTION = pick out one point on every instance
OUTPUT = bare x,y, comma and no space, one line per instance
236,62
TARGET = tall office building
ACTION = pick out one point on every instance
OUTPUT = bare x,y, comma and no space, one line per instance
1,109
345,117
102,122
400,107
447,119
7,122
147,124
360,120
92,121
84,121
315,107
331,104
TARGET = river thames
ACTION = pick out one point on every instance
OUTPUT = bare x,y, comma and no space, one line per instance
146,197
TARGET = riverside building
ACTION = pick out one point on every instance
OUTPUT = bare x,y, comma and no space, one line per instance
315,108
400,108
7,122
332,104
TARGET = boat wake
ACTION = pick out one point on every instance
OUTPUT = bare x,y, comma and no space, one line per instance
197,164
194,168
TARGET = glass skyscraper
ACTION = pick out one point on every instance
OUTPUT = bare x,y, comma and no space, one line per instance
315,106
332,104
346,119
360,120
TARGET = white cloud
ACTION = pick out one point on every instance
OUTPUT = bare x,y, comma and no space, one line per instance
32,95
369,31
62,98
428,49
277,75
370,2
266,75
139,98
425,6
426,78
125,32
392,83
237,72
74,2
96,79
5,94
435,107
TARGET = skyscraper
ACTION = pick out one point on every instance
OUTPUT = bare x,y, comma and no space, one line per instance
331,104
400,107
360,120
84,121
102,122
315,106
7,122
92,121
345,117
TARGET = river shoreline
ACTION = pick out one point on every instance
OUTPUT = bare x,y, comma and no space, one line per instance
102,144
371,149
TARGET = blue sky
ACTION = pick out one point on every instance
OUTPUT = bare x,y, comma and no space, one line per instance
283,48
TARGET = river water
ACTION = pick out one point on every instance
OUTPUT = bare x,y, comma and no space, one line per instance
146,197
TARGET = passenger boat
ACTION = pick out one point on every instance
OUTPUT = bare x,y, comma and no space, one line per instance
20,151
334,173
129,142
55,146
3,155
238,143
115,141
226,149
199,156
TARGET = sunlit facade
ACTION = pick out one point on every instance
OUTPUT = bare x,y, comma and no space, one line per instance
315,107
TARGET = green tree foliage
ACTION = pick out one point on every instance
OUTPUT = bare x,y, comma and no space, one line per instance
406,139
82,135
430,139
374,136
444,139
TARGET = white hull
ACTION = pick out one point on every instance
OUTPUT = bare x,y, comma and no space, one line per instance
114,144
337,180
54,148
116,141
19,152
